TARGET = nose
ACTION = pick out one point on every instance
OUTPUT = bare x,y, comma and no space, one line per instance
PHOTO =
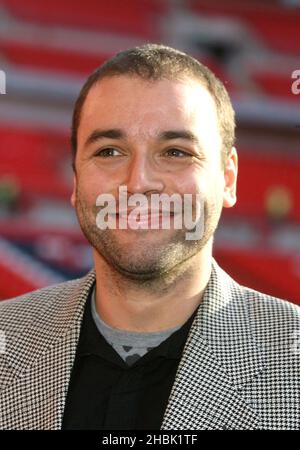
143,177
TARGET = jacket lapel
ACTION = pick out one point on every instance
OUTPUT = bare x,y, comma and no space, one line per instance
219,358
38,373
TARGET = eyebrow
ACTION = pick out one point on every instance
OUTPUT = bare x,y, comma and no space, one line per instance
116,133
179,134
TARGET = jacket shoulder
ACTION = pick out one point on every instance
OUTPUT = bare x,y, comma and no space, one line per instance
276,307
17,311
275,320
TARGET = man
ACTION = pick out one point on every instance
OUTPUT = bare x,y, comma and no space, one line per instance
157,335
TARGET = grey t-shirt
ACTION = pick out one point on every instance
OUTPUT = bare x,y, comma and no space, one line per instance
131,345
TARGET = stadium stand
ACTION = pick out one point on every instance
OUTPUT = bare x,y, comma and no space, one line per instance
48,48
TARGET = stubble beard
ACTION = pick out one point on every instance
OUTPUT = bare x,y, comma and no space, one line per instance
146,261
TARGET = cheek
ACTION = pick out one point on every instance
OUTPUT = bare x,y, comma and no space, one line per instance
207,184
192,182
92,183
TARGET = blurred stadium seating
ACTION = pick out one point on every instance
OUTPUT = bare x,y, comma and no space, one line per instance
48,48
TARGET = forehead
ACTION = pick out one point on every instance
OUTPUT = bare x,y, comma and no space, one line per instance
146,107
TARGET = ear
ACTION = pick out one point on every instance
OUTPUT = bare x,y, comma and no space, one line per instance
230,177
73,195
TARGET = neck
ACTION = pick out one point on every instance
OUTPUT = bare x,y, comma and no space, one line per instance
152,305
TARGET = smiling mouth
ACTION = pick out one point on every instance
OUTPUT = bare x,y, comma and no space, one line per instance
147,219
145,214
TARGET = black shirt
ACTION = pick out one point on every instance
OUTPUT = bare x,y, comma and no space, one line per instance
107,394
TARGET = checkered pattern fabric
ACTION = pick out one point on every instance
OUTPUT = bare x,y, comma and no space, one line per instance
240,367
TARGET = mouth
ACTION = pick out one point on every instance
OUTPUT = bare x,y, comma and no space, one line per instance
144,219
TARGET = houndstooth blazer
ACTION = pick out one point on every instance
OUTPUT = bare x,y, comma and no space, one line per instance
239,368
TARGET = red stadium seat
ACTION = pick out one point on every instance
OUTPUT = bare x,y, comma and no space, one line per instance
13,284
133,16
32,159
276,25
275,84
262,173
35,55
266,271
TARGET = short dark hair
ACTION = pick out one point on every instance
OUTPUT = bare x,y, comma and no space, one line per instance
157,62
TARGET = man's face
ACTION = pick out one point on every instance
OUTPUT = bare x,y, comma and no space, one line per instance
158,137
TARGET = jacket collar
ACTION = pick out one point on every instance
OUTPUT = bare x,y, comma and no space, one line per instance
225,323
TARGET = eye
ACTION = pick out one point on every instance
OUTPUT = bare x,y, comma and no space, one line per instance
107,152
177,153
